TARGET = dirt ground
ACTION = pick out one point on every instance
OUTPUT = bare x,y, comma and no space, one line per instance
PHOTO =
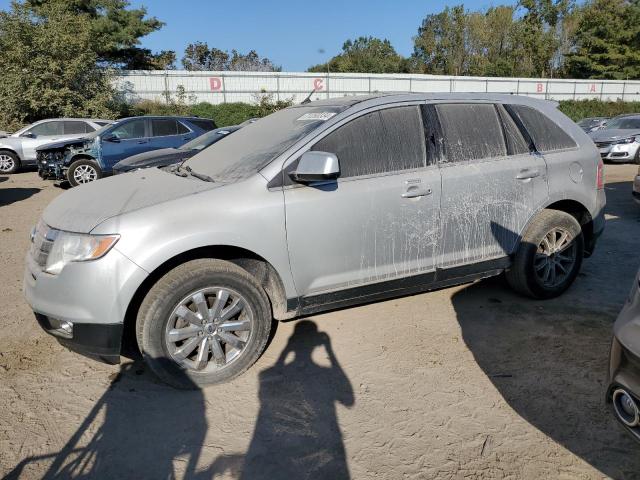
467,382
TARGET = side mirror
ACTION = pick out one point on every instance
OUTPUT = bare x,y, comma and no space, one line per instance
28,135
112,138
316,167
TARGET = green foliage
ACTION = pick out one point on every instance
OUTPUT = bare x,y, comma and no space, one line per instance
224,114
48,67
364,55
579,109
198,56
115,28
607,41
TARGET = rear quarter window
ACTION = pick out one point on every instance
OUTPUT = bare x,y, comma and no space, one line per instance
471,131
545,133
204,124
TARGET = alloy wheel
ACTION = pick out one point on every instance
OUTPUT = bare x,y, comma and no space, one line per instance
209,329
7,163
85,174
555,257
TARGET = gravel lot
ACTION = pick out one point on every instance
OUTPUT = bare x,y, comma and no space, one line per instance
467,382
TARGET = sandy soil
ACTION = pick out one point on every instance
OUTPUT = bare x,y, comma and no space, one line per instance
467,382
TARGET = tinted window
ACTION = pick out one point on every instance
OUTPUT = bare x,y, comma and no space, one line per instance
204,124
546,135
71,128
132,129
625,123
47,128
162,127
516,144
182,129
471,132
386,140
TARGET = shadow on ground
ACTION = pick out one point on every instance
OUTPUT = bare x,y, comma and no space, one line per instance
12,195
141,428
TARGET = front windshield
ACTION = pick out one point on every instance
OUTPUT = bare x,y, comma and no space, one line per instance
252,147
623,123
209,138
590,122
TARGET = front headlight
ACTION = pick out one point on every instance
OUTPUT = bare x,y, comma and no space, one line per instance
75,247
625,141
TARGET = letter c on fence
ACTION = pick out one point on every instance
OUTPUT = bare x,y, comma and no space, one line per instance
317,85
540,88
215,83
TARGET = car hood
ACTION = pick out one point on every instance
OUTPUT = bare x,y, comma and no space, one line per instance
83,208
61,144
612,134
153,157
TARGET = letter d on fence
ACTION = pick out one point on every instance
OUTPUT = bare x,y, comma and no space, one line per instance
215,83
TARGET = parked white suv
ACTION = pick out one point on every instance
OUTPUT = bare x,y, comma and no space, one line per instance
19,149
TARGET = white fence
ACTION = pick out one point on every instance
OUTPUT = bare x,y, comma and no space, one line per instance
219,87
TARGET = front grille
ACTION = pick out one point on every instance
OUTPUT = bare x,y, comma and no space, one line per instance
42,242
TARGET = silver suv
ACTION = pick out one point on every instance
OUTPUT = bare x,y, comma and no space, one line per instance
19,148
316,207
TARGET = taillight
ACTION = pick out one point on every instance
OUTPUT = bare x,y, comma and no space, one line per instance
600,175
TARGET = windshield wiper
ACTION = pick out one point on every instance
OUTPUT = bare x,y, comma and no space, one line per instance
186,171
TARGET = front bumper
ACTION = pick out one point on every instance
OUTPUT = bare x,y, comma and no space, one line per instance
624,361
623,152
93,296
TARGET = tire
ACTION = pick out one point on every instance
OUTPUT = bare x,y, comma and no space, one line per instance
9,162
163,314
529,274
83,171
636,157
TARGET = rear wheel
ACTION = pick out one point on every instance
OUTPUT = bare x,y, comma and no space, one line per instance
83,171
204,322
549,256
9,162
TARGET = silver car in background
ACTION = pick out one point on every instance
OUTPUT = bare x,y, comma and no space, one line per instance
19,149
619,139
316,207
592,124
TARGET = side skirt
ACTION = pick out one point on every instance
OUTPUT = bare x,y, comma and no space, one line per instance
441,278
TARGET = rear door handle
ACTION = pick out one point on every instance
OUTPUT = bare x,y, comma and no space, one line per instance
528,173
140,142
414,189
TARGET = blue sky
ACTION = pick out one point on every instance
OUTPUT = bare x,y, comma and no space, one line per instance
289,32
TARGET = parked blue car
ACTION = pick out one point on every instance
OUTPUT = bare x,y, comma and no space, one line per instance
92,157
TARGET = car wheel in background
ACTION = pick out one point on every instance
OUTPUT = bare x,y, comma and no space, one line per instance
83,171
204,322
9,162
549,256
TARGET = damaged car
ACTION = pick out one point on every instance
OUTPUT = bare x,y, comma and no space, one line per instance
316,207
619,140
92,157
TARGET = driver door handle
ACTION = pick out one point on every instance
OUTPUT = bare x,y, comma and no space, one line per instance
528,173
415,189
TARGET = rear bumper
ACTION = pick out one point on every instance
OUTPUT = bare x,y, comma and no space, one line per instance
100,342
598,224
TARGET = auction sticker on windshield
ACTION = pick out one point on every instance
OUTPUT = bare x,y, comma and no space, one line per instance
322,116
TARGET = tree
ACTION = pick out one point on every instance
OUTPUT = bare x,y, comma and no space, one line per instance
607,41
198,56
49,68
116,30
364,55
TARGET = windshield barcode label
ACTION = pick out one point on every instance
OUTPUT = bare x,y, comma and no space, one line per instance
319,116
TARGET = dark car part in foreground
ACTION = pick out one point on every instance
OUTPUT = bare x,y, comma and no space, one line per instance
92,157
624,365
169,156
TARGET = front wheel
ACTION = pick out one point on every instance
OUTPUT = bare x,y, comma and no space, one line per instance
83,171
9,162
549,256
204,322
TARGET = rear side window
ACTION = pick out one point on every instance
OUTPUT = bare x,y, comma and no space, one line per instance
204,124
46,129
546,134
516,143
383,141
73,127
471,131
163,127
